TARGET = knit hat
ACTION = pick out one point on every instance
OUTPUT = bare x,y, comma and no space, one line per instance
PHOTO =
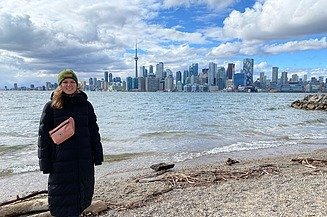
66,73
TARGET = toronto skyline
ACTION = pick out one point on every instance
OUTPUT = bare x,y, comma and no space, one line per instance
39,38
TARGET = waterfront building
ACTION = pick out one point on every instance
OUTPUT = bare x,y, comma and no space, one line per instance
143,72
151,83
151,69
160,71
178,76
295,78
230,71
212,72
135,84
194,69
106,76
274,75
221,78
141,84
185,76
248,71
169,83
239,79
110,78
129,83
284,79
179,86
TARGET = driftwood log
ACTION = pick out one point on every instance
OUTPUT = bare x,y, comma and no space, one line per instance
36,205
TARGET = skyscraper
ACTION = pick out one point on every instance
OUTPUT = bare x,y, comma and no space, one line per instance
212,71
106,76
274,75
248,71
230,70
160,70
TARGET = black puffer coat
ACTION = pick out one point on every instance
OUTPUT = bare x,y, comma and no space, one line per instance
70,164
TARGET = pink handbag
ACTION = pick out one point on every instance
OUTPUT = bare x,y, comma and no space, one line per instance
63,131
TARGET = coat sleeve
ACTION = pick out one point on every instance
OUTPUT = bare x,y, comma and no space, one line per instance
95,136
44,140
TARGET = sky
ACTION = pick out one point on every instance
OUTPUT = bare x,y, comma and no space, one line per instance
38,38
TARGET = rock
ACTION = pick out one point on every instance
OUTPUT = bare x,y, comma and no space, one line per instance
311,102
161,166
231,161
96,207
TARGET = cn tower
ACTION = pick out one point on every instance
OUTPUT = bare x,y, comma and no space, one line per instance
136,59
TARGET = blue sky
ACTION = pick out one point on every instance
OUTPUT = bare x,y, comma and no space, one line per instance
39,38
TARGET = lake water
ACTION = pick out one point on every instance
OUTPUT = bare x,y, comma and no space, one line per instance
175,127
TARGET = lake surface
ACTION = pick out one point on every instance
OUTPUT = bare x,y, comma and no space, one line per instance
174,127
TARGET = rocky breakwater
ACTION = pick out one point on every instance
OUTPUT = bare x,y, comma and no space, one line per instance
311,102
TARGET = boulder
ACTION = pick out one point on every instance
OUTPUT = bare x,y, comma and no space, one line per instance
311,102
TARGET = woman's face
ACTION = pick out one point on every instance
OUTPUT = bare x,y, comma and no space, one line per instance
68,86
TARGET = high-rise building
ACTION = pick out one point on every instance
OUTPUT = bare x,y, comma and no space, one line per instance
248,70
151,83
221,78
178,76
194,69
274,75
106,76
230,70
284,79
129,83
151,69
160,71
110,78
212,72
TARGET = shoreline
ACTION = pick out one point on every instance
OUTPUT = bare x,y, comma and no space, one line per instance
287,188
293,190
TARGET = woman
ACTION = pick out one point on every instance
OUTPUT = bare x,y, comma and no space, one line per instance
70,165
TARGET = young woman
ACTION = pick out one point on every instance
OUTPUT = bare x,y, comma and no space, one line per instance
70,165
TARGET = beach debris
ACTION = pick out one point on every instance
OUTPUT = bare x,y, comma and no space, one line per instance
210,176
36,205
230,161
18,198
161,166
310,162
95,208
25,207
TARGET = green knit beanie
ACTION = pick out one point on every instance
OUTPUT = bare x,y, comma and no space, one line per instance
66,73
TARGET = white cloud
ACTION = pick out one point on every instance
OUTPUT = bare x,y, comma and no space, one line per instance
311,44
218,4
276,19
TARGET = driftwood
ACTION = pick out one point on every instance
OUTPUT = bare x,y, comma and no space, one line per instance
173,180
25,207
38,207
210,176
33,194
161,166
309,162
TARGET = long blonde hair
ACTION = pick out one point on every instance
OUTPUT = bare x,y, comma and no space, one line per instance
57,100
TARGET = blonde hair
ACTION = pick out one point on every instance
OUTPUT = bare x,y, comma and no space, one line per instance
57,101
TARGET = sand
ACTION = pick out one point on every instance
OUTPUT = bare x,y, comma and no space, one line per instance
268,186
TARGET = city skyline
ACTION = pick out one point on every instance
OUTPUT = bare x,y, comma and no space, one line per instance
210,79
93,37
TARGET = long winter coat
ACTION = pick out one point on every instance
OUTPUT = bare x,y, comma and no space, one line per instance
70,164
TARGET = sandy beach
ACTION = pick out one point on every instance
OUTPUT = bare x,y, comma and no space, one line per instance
268,186
262,183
